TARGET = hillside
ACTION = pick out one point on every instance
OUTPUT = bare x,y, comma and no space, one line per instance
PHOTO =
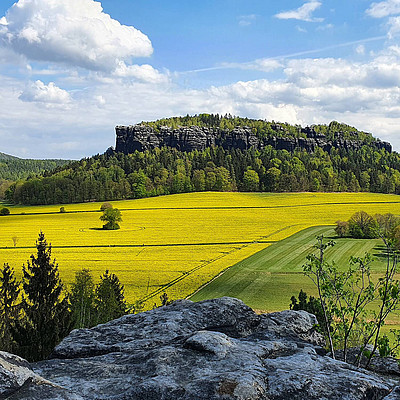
7,157
154,159
14,168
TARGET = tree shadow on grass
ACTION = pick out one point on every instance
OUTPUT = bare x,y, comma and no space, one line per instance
380,251
97,229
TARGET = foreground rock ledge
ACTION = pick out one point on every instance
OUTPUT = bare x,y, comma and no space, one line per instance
215,349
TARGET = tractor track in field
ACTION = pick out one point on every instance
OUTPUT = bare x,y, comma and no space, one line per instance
211,208
143,246
208,262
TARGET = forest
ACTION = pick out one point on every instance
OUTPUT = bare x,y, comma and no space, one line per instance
168,171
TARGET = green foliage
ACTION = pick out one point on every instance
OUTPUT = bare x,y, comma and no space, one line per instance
111,216
110,300
82,300
342,228
4,211
9,309
251,181
105,206
345,295
46,317
62,210
167,170
165,301
13,168
362,226
311,305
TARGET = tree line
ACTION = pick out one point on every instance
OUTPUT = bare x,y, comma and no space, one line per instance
260,127
38,312
165,170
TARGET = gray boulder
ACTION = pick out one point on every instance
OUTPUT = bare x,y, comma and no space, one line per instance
215,349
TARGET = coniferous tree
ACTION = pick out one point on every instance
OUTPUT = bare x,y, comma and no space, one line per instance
110,299
82,300
47,318
9,309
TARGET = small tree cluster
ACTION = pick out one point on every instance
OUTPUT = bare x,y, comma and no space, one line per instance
35,323
95,304
34,318
361,225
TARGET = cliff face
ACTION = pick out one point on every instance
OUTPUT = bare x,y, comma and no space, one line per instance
142,137
212,350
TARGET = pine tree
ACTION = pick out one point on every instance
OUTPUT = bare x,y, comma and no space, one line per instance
9,309
47,318
82,300
110,299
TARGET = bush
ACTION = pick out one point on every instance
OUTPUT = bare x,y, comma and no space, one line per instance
342,228
4,211
62,210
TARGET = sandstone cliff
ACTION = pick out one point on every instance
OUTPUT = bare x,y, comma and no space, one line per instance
212,350
142,137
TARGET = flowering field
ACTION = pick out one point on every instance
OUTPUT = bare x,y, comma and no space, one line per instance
174,243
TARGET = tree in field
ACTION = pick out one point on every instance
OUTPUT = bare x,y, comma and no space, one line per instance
4,211
362,226
46,316
111,216
110,300
9,309
342,228
82,300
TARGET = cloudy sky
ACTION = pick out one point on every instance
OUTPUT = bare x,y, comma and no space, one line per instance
70,70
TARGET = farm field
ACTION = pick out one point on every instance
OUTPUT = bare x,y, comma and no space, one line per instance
268,279
180,242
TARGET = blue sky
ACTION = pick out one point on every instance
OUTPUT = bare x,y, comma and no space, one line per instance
70,70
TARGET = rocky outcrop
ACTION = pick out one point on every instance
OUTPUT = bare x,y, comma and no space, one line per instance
143,137
216,349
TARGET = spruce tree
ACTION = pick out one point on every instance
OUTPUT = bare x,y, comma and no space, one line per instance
9,309
110,299
47,319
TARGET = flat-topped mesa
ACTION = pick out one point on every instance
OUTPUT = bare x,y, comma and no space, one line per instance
142,137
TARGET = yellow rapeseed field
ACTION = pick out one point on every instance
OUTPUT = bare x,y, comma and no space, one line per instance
174,243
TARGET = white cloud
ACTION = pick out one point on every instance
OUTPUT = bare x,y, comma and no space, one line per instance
384,8
49,95
360,49
325,27
74,32
302,13
246,20
300,29
394,27
144,73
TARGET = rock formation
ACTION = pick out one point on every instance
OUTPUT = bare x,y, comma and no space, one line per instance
212,350
143,137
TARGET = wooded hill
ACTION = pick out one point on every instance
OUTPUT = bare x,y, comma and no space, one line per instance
13,168
166,170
